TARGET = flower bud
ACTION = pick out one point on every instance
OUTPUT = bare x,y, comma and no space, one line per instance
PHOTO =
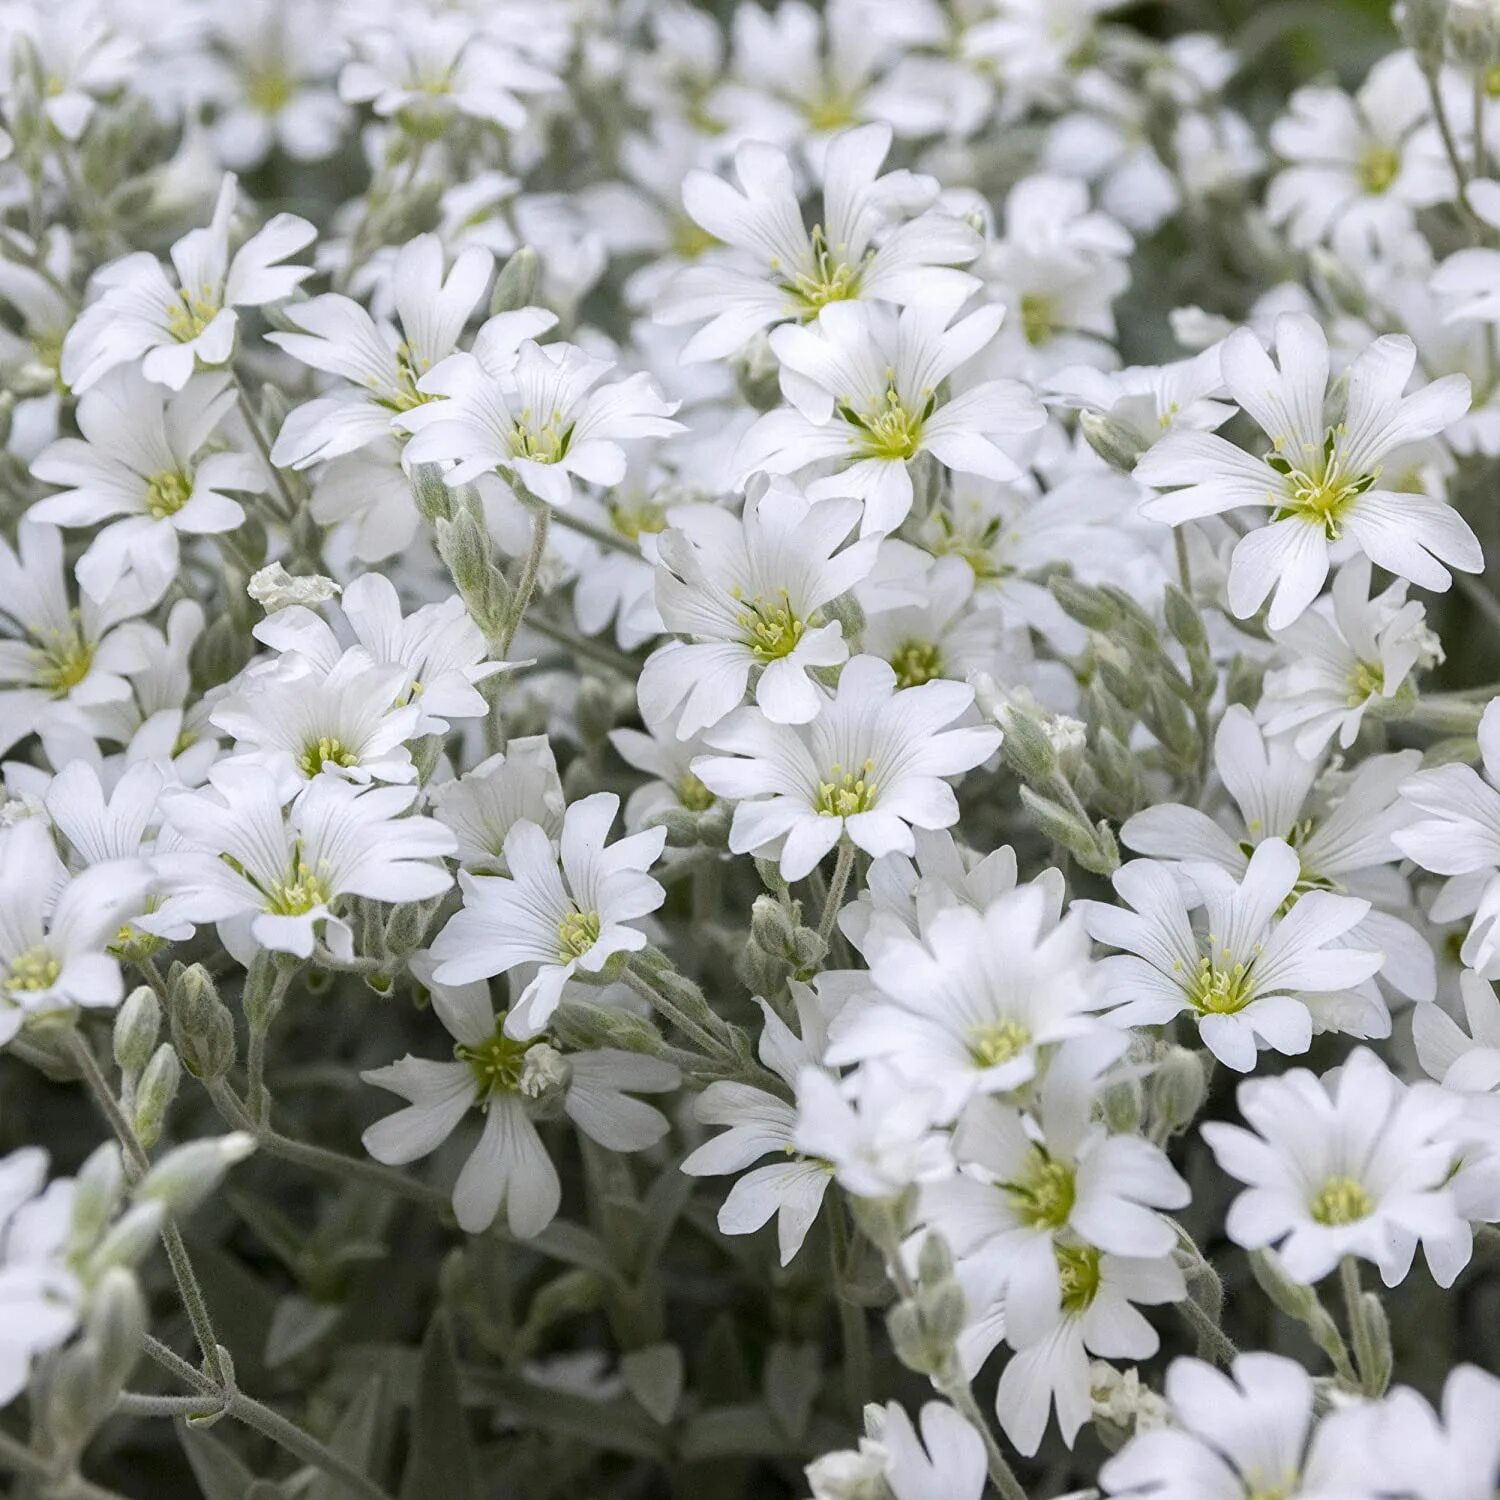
434,499
1178,1088
202,1027
515,286
98,1191
1113,441
136,1028
130,1238
117,1325
1422,24
187,1175
155,1093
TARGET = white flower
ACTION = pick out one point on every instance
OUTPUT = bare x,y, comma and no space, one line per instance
273,878
965,1007
1321,475
871,766
1340,825
1361,166
1456,833
302,721
438,646
545,420
55,929
1456,1457
749,595
41,1295
179,325
946,1463
1038,1196
275,86
564,920
875,1130
1249,978
1098,1314
424,68
148,457
761,1123
1005,533
867,391
1353,1163
1348,654
507,1079
79,57
382,364
483,805
906,891
1059,268
1249,1432
61,661
780,270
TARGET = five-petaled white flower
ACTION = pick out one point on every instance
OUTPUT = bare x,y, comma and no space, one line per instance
1321,476
172,326
870,766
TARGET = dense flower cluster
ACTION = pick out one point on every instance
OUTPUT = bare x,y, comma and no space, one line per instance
871,616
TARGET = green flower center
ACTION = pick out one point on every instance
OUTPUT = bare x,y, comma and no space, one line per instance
1078,1276
410,369
1318,491
268,91
998,1043
498,1062
1045,1192
977,545
693,795
644,518
63,660
325,751
1378,167
547,444
690,239
847,794
917,662
167,493
1220,985
1341,1200
771,628
32,971
830,111
1366,681
1038,317
889,429
299,891
188,315
576,934
832,278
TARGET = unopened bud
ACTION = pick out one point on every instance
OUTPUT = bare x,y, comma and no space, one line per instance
1178,1088
130,1238
771,924
136,1028
1113,441
155,1093
434,498
202,1027
515,286
184,1177
117,1325
98,1190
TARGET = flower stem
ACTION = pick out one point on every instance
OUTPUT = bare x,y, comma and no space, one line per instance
836,888
596,533
137,1164
229,1399
526,583
263,446
853,1329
